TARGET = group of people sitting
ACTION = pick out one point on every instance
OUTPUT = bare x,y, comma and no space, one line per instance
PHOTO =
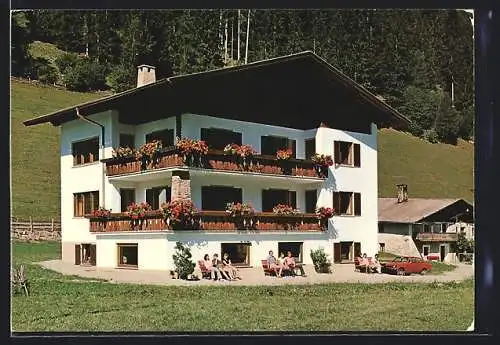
283,263
370,264
221,269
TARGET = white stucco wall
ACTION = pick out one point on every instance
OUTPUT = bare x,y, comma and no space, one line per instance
155,250
362,179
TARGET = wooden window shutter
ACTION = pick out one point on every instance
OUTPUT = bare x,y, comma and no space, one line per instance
292,144
77,254
357,155
357,204
336,152
292,198
336,202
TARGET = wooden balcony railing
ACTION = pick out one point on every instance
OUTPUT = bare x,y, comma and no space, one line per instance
217,160
211,221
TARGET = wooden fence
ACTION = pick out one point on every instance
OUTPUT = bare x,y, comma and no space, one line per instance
35,230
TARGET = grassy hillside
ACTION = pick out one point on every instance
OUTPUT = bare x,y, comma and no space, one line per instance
430,170
35,150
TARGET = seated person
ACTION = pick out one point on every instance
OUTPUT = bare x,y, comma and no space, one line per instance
214,271
375,265
272,263
363,262
229,268
217,264
291,265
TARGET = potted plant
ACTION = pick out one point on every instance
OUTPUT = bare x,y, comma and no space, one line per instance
320,261
193,150
123,152
102,216
284,154
184,267
180,214
323,214
241,213
321,164
137,213
243,153
148,153
285,210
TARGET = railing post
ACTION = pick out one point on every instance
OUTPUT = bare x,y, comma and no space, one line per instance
31,225
52,225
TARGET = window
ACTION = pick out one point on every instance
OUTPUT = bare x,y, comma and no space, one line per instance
270,145
127,255
381,228
425,250
346,153
218,138
239,253
157,196
215,198
273,197
310,147
311,199
85,254
127,197
127,140
347,203
294,247
85,203
86,151
166,136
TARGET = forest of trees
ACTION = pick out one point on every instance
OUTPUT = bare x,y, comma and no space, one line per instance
419,61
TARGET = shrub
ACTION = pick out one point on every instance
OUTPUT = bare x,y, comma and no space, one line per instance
320,261
182,261
86,75
66,61
47,74
431,136
121,78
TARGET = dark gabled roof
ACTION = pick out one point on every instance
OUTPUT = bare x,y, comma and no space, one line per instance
294,86
415,209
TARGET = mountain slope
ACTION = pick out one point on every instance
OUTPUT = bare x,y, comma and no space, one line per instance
430,170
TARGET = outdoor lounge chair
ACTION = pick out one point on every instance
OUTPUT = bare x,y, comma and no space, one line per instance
358,266
204,272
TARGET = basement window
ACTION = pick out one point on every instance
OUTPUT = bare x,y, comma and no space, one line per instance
86,151
294,247
85,203
347,153
347,203
127,255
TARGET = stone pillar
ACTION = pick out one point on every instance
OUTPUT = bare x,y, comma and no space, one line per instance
181,185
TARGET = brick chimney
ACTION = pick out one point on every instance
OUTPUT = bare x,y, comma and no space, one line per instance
402,193
145,75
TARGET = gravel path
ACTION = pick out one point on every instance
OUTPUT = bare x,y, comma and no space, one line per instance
342,273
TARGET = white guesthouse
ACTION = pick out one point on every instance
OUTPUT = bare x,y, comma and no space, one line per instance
297,102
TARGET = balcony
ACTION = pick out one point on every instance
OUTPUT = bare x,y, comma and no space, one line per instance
217,161
217,221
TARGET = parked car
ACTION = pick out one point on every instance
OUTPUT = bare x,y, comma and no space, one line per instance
403,265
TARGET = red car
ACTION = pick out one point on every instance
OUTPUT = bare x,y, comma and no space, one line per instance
403,265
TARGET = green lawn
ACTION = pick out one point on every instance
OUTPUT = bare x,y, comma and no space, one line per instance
60,303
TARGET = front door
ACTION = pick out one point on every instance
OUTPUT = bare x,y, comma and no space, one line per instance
442,252
337,253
